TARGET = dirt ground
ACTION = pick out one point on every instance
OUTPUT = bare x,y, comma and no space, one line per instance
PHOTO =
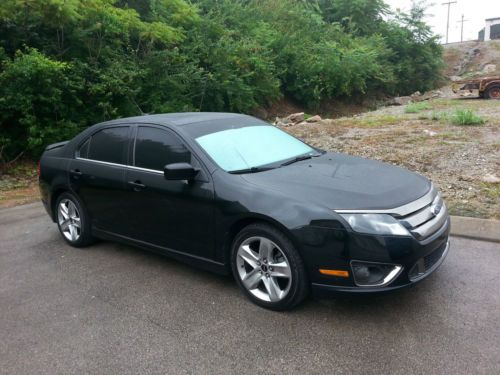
18,184
463,161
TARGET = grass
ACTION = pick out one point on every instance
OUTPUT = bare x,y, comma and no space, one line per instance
439,116
369,121
466,117
491,190
417,107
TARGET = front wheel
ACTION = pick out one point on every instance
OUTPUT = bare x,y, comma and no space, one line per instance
268,268
72,221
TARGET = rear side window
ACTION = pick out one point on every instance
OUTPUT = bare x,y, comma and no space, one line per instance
155,148
107,145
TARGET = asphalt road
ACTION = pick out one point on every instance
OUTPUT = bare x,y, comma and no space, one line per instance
113,309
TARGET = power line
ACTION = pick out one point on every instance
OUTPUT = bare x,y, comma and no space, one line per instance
448,20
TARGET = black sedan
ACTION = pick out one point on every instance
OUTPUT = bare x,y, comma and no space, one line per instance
235,195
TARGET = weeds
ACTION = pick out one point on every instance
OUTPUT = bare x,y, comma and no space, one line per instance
439,116
466,117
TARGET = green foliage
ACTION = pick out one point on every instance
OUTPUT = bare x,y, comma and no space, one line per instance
466,117
417,107
37,95
358,16
66,64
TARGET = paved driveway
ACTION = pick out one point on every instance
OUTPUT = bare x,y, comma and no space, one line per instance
113,309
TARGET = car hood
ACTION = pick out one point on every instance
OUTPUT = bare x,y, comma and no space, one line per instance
343,182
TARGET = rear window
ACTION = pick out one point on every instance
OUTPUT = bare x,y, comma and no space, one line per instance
107,145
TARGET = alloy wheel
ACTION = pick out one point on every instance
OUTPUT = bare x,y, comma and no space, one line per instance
69,221
264,269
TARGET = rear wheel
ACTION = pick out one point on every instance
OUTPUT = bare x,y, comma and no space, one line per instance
493,92
268,268
72,220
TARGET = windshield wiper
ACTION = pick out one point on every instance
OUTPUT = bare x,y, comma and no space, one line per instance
251,170
296,159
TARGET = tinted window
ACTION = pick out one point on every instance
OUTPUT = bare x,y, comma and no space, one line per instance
155,148
109,145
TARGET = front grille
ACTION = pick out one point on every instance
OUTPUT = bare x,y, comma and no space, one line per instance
427,220
426,264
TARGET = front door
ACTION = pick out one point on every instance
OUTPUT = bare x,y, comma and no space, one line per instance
177,215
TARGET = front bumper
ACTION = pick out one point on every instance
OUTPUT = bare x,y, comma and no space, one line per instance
404,282
335,248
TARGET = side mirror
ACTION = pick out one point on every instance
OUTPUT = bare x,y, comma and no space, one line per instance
179,171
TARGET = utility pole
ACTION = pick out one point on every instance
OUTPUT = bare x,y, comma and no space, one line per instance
462,28
448,20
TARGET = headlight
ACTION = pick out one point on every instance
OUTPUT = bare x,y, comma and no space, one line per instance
375,224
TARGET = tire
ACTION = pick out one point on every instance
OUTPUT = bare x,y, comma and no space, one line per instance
73,221
268,268
493,92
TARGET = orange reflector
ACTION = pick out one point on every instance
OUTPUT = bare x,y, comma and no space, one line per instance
338,273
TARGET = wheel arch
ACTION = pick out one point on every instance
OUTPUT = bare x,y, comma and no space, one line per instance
56,193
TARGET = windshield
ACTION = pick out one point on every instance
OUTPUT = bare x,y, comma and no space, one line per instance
252,147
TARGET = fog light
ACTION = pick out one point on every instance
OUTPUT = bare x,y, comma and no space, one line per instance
374,274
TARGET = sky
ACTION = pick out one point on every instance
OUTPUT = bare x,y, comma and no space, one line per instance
475,11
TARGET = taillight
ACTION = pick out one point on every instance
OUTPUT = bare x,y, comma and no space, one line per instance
38,168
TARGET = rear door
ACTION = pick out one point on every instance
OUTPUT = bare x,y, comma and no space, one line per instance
97,175
177,215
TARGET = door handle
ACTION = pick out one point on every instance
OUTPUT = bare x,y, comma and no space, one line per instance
137,185
76,173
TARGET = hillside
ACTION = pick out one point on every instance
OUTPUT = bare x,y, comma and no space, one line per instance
472,59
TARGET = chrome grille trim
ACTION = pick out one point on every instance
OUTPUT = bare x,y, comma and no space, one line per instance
431,226
425,222
417,218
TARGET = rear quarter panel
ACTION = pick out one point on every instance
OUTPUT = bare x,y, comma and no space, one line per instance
53,177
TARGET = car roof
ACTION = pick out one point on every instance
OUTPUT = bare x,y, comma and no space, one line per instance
179,119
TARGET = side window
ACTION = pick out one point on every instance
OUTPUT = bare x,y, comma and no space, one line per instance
83,151
109,145
154,148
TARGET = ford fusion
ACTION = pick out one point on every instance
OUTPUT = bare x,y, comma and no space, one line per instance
235,195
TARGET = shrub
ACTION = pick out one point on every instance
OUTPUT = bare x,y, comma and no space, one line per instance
37,95
466,117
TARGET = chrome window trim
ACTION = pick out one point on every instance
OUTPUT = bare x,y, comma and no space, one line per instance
404,210
121,165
